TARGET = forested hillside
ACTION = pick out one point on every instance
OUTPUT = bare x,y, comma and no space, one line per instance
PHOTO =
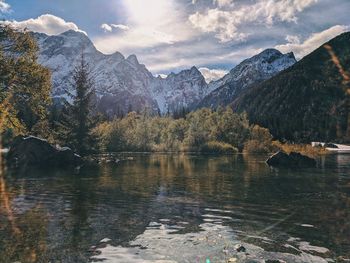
308,101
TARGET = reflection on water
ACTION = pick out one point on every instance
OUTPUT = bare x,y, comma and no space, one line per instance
180,208
217,242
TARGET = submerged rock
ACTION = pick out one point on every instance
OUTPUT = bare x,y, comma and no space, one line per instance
33,151
290,160
240,248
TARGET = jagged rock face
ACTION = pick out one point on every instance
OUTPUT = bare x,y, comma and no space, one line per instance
251,71
121,84
183,90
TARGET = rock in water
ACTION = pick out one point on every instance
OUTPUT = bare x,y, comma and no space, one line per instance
290,160
240,248
278,159
302,160
33,151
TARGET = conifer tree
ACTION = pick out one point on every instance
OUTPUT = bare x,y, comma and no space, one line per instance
78,121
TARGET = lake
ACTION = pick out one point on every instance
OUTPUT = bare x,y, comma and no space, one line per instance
178,208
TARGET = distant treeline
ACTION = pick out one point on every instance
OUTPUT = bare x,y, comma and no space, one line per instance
204,130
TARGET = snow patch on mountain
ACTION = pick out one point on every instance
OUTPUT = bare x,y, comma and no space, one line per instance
183,90
121,84
253,70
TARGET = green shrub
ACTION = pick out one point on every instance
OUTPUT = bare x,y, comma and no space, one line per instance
255,146
216,147
260,141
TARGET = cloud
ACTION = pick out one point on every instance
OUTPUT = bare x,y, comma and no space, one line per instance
149,24
225,22
48,24
4,7
110,27
106,28
223,3
301,49
163,76
212,74
173,35
204,53
293,39
121,27
135,38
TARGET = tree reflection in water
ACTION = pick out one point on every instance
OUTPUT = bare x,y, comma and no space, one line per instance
58,215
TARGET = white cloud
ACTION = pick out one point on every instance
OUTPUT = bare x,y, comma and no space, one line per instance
4,7
149,24
106,28
212,74
186,54
48,24
121,27
135,38
222,3
293,39
301,49
225,22
163,76
110,27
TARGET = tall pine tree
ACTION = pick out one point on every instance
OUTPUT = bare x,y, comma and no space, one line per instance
79,117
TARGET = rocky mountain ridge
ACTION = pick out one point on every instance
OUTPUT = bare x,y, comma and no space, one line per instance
249,72
123,84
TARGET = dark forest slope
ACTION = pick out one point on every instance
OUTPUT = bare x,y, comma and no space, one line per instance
306,101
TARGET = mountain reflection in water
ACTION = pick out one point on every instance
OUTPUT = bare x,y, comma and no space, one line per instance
177,208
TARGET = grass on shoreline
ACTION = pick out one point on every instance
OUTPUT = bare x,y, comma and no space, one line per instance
305,149
222,148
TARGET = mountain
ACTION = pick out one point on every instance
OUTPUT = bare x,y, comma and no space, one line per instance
251,71
308,100
183,90
122,84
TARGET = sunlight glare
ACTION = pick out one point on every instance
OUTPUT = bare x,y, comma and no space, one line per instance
150,12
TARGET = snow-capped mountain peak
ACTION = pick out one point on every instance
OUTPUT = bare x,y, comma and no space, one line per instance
121,84
250,71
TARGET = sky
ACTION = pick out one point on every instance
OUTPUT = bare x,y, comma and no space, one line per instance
171,35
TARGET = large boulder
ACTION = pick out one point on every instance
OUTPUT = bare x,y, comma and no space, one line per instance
33,151
282,159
